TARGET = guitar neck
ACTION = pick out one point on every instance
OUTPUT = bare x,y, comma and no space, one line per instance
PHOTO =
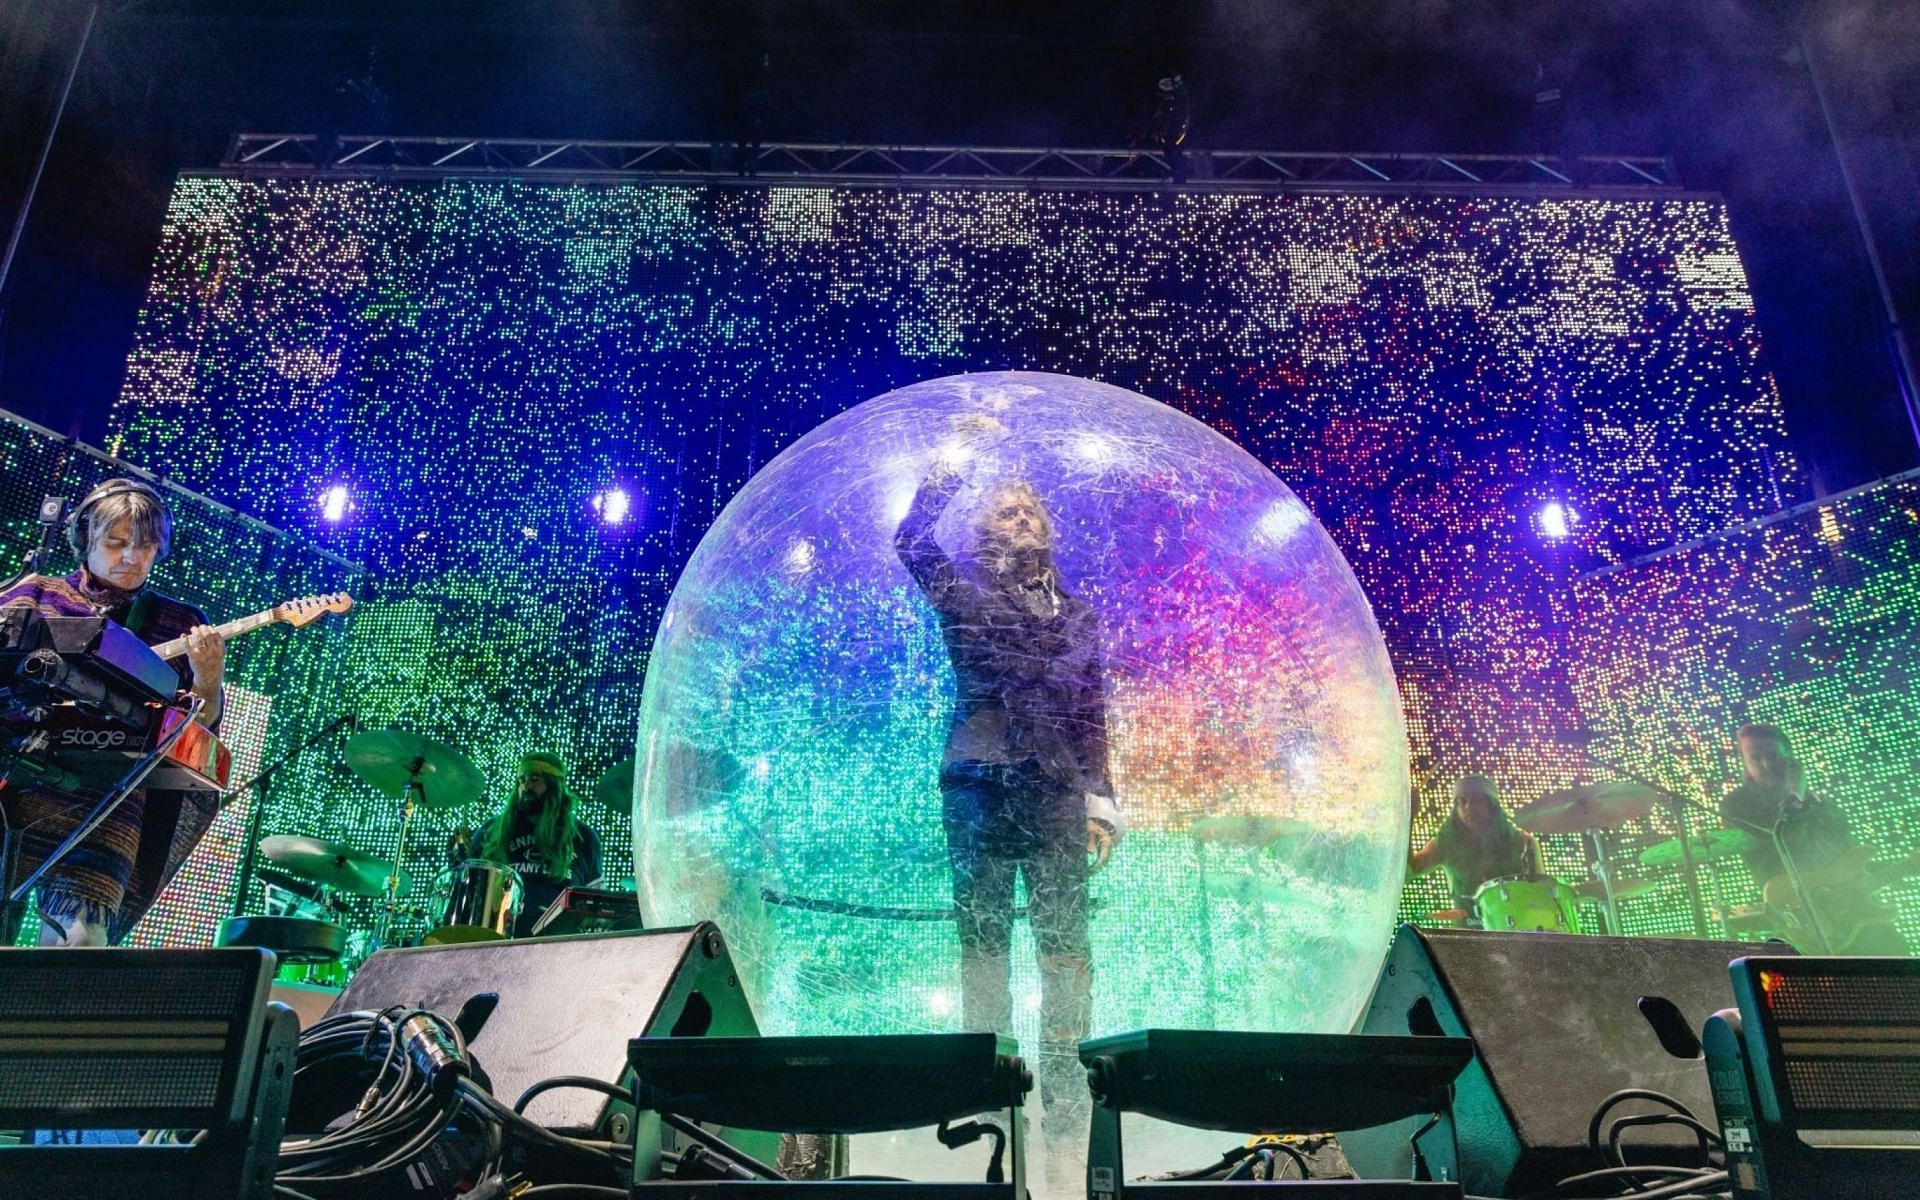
227,632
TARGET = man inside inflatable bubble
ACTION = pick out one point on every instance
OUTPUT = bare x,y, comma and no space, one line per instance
1025,784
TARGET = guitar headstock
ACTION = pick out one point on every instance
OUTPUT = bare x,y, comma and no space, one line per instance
309,609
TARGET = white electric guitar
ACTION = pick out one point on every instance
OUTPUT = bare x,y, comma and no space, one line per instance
296,613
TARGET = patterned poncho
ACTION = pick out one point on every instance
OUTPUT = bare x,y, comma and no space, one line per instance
124,863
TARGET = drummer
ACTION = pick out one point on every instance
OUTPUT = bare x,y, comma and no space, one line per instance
1478,842
539,836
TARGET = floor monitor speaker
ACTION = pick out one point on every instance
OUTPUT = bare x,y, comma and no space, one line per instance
567,1005
1559,1023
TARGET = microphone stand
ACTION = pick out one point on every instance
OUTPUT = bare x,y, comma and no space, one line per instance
260,785
1679,805
1778,832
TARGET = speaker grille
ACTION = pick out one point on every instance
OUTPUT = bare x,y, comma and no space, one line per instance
1855,1085
41,993
129,1038
83,1083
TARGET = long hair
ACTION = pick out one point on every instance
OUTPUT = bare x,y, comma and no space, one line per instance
1502,830
554,833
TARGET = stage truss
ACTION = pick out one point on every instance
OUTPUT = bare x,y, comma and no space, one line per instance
974,166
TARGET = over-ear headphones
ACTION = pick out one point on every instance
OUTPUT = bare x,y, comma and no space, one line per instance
80,521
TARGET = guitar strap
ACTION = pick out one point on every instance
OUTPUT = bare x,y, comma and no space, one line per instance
140,612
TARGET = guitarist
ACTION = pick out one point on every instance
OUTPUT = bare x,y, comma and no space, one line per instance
1774,804
94,895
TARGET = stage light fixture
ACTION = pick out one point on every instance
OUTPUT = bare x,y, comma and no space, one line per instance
335,503
1557,521
613,506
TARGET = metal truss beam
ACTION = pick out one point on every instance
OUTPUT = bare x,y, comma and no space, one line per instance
728,162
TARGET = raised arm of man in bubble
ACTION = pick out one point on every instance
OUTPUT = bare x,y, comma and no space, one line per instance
1025,652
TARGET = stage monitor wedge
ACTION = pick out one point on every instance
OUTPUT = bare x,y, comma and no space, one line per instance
1559,1023
567,1005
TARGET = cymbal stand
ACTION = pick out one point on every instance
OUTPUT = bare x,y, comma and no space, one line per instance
1779,835
1689,871
412,789
261,785
1602,869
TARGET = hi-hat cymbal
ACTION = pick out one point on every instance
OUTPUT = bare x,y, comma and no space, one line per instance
1247,830
1445,916
1623,889
341,868
390,759
1589,806
615,788
1708,845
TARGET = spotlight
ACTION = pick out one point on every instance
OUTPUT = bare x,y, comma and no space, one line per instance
613,506
1557,521
335,503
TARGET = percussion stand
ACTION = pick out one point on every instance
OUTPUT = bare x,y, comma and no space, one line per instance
1779,836
1678,804
261,785
1602,869
410,792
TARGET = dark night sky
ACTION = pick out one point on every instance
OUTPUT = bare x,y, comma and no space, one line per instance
1719,85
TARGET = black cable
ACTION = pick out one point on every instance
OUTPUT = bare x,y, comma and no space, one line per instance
1207,1172
488,1103
1299,1159
1621,1097
584,1082
406,1058
1614,1173
1702,1135
573,1191
1684,1187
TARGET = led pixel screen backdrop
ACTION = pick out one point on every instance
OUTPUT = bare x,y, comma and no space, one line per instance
283,685
537,396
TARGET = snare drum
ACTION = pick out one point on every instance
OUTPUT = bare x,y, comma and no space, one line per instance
1536,903
482,903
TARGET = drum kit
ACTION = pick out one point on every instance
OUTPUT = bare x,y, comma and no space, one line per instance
309,883
1544,903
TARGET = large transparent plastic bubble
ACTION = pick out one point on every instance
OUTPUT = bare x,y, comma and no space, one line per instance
800,695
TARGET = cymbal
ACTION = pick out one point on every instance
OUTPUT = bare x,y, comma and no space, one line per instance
615,788
341,868
1247,830
1589,806
1708,846
1445,916
1623,889
389,759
